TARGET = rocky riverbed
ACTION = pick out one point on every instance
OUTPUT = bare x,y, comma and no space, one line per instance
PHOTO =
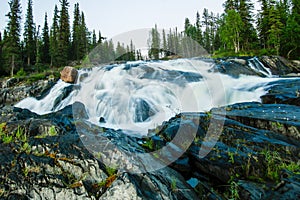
240,151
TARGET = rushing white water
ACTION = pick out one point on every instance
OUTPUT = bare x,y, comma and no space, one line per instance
137,96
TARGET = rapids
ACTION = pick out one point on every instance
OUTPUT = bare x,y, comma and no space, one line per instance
137,96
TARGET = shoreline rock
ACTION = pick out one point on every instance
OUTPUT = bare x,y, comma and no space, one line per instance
69,74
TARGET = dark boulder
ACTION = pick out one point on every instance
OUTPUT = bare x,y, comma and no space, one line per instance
143,111
283,92
279,65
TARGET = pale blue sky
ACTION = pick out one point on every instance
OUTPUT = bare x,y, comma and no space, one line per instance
113,17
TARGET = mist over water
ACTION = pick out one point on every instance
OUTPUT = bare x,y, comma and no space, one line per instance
137,96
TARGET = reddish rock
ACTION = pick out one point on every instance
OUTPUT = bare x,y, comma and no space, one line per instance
69,74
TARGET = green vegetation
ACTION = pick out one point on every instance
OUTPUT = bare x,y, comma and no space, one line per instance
173,184
236,32
51,133
56,46
19,139
149,144
275,164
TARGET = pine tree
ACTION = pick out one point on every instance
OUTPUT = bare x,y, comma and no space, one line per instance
231,5
275,30
263,24
64,34
94,40
290,44
29,34
76,34
83,37
154,43
12,39
206,33
248,32
120,52
45,48
198,36
54,38
38,48
1,55
164,43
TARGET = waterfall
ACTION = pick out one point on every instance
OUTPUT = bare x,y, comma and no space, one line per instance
137,96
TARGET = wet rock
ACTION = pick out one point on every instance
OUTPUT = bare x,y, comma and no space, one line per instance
235,67
255,138
14,94
41,165
279,65
102,120
143,111
69,74
283,92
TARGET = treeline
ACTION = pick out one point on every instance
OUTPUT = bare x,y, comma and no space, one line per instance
273,30
52,46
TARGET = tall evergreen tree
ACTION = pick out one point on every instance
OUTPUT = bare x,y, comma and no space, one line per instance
83,39
248,32
38,48
94,40
64,34
12,40
29,35
164,42
54,38
154,43
206,33
120,52
1,55
198,36
291,33
263,24
76,33
45,48
275,30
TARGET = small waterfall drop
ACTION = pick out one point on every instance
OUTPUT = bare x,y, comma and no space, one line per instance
137,96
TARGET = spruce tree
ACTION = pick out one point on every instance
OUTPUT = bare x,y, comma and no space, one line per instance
64,34
29,36
198,36
154,43
275,30
291,33
76,34
54,38
94,40
12,40
164,42
45,49
263,24
206,33
83,37
1,55
248,33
